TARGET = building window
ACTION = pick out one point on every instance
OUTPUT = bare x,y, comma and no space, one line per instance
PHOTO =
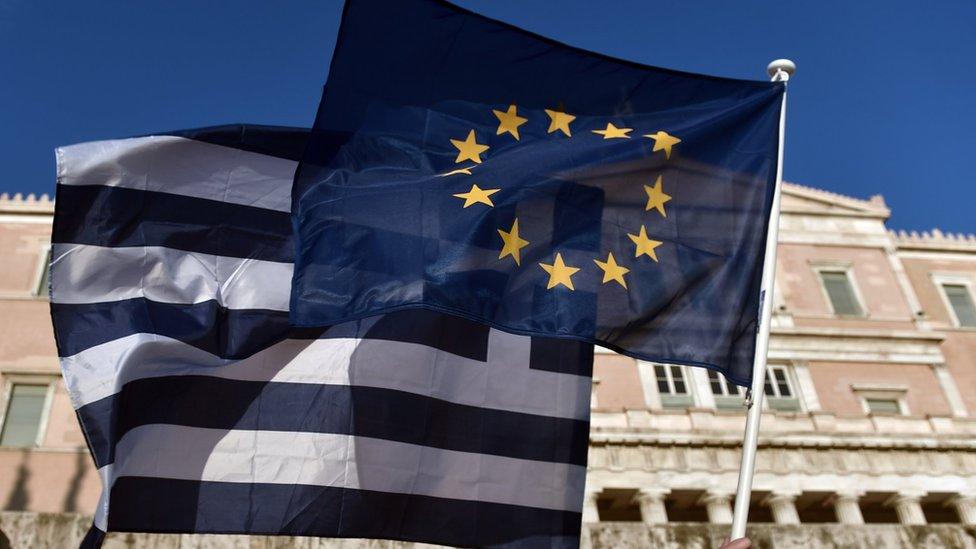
24,415
882,399
888,406
727,395
840,292
672,387
778,389
961,303
42,286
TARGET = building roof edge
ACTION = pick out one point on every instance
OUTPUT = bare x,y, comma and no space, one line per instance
30,204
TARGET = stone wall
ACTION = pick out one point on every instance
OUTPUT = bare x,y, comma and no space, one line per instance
808,536
64,530
50,531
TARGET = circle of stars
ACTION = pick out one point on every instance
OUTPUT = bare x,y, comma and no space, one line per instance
561,274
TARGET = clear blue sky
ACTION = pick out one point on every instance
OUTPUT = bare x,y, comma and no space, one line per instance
883,101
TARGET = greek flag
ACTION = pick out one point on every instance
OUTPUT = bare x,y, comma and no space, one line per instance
204,411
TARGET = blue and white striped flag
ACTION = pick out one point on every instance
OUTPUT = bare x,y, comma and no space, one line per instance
205,412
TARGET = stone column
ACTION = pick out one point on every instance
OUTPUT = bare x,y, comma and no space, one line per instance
719,506
651,503
590,512
783,507
908,506
847,508
965,506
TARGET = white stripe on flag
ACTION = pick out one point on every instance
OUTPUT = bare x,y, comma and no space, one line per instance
505,382
317,459
101,511
182,166
96,274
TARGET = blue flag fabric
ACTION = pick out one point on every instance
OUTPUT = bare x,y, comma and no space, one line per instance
466,166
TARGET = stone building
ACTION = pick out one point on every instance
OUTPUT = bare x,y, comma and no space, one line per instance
869,437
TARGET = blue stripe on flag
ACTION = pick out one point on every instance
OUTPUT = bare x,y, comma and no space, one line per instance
239,333
141,504
118,216
278,141
223,332
215,403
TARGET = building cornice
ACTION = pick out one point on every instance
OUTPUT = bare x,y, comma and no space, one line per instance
706,427
31,204
792,343
874,207
779,441
859,333
934,240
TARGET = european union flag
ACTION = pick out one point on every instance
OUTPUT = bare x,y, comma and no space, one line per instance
463,165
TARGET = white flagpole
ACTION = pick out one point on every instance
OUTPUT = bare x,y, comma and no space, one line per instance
779,71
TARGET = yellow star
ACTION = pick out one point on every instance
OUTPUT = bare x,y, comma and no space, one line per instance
559,121
612,271
613,132
513,243
559,273
477,195
469,149
645,246
656,197
663,142
509,121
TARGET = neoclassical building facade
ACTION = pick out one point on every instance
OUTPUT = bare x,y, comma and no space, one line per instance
868,437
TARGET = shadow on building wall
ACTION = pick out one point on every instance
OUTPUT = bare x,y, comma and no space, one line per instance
70,504
19,498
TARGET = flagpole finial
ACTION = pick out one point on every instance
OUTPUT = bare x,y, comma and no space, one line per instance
781,69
